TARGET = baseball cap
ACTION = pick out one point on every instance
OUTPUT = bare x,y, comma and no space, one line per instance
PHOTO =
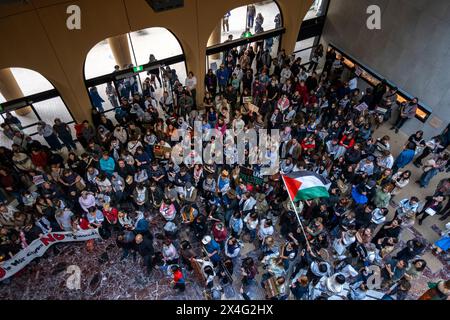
206,240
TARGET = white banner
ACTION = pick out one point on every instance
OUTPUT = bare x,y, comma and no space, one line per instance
38,247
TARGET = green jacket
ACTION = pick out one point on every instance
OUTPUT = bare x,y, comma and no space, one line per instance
381,199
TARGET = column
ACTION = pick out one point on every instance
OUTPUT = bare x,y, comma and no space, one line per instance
10,90
120,50
214,39
291,11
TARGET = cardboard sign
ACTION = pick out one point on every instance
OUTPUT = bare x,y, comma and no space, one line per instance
247,176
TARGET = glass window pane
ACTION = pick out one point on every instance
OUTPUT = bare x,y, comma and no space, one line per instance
99,60
27,119
317,9
299,45
180,69
158,83
300,51
53,108
104,96
145,42
110,115
305,55
30,82
31,130
238,20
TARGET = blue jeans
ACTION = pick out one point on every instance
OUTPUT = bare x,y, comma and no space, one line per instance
252,234
250,20
427,176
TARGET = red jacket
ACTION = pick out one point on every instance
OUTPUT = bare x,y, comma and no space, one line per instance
111,215
308,145
39,159
84,224
303,90
178,277
79,129
347,143
220,236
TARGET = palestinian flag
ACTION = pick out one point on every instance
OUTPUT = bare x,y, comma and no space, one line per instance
306,185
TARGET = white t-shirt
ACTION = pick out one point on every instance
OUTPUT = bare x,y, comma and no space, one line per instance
191,83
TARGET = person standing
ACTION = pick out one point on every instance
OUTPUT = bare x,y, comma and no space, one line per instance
407,111
191,85
225,22
222,76
407,207
431,207
258,23
444,189
212,248
126,242
178,281
154,72
13,121
49,135
316,56
96,100
64,134
432,168
144,245
431,147
111,93
404,158
211,82
251,12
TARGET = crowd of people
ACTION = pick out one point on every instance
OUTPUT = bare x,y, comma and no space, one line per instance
119,177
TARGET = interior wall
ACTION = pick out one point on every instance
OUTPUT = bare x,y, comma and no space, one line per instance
37,37
412,49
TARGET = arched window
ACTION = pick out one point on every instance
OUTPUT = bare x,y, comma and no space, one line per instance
244,19
141,57
31,98
257,27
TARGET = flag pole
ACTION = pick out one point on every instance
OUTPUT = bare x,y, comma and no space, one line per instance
296,213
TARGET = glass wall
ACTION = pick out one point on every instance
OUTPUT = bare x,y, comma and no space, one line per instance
309,36
252,19
304,49
318,9
142,43
41,100
106,87
29,81
255,31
